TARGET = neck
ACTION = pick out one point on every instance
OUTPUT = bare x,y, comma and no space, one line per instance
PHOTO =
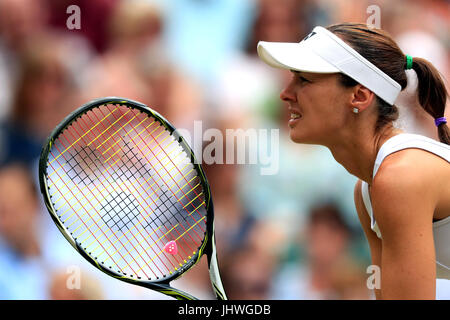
357,153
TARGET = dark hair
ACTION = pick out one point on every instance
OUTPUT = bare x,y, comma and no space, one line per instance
379,48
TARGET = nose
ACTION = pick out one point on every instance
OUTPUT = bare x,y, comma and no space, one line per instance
287,94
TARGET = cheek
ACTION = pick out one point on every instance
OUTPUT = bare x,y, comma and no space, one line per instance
328,113
323,117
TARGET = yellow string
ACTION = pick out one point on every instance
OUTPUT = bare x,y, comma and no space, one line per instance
141,211
82,136
154,156
96,149
159,253
136,224
106,169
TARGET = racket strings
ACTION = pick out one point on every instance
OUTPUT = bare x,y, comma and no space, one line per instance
102,173
174,194
77,140
120,211
155,157
128,220
83,208
144,208
128,240
82,166
128,231
113,245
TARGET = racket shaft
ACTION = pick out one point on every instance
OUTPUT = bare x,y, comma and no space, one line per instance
214,273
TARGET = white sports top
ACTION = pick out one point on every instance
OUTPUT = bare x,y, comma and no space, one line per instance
441,228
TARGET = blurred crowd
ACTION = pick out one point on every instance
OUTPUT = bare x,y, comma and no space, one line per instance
291,235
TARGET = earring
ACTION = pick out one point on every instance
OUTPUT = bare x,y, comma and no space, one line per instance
355,110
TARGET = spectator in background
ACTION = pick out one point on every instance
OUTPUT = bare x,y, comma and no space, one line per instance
248,270
94,19
20,20
329,270
23,274
45,94
131,27
247,274
245,91
31,268
340,10
170,91
136,65
200,35
230,216
88,287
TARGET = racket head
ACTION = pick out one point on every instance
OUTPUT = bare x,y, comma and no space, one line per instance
110,215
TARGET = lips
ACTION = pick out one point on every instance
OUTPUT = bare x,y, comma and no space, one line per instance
294,112
295,116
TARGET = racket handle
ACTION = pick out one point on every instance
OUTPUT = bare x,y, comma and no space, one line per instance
172,292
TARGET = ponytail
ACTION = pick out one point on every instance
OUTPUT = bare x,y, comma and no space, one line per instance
432,94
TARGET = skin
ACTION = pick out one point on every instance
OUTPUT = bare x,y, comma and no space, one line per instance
411,188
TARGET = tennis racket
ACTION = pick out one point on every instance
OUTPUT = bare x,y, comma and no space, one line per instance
126,191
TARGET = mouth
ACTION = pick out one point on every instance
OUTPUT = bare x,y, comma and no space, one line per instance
295,116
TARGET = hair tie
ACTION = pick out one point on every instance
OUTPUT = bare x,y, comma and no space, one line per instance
439,121
409,62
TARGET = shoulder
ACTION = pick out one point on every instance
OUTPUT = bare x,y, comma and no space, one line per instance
410,170
406,189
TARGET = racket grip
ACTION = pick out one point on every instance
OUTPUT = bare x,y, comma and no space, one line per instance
172,292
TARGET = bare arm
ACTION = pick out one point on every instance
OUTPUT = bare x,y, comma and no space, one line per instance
403,203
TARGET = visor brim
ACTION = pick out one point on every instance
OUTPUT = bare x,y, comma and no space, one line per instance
293,56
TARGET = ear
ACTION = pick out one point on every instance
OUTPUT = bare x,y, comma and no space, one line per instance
361,98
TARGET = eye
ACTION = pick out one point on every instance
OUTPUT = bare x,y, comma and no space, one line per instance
301,78
304,79
297,75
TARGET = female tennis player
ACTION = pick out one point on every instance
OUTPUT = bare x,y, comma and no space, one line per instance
345,81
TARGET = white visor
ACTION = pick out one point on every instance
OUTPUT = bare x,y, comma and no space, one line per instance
323,52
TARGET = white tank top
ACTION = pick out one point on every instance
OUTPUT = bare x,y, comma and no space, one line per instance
441,228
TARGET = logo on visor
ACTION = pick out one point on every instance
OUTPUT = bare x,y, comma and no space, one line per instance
309,36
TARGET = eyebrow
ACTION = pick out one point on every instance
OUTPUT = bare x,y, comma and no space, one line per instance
301,74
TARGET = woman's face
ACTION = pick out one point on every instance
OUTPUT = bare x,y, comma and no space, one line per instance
317,105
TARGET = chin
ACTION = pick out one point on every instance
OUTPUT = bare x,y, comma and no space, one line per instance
299,138
302,138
